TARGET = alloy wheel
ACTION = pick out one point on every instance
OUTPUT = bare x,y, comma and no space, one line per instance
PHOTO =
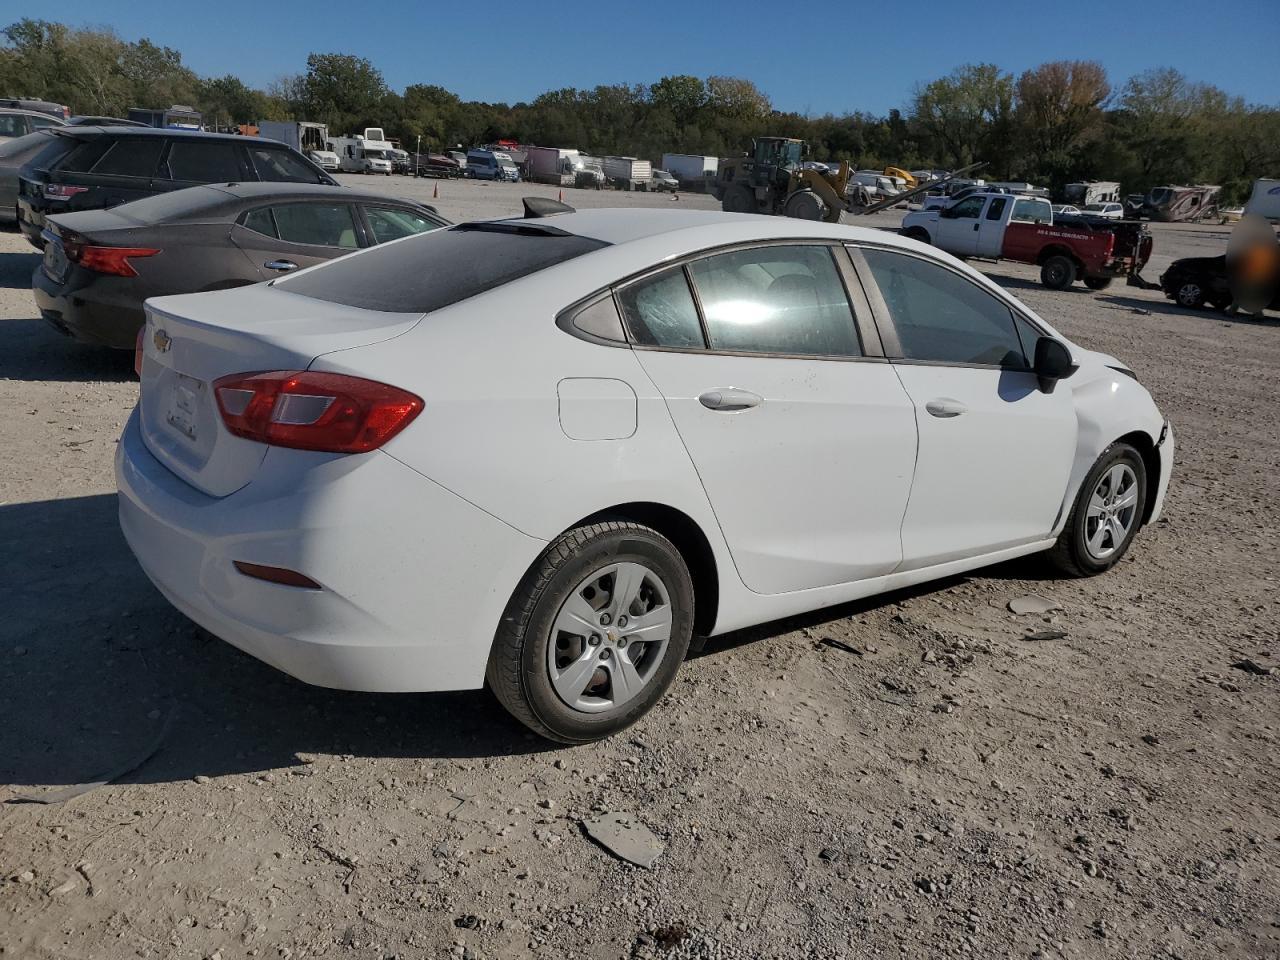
1112,512
609,637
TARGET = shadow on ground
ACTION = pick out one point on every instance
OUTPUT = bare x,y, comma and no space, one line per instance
94,663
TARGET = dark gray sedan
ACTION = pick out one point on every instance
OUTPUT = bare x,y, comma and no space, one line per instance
100,265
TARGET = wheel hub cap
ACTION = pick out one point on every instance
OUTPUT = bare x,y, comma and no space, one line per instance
1112,511
628,608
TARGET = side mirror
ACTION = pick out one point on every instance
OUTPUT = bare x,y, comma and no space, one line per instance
1052,363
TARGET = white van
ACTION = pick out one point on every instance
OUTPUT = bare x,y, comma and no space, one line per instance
492,165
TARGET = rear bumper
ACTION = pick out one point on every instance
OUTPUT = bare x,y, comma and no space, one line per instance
414,579
94,313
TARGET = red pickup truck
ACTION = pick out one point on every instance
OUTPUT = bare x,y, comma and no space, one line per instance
1002,226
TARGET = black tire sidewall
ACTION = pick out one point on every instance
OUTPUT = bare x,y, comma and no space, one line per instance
1046,273
635,545
1114,454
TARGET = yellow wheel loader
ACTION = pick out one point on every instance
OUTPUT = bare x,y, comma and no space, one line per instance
774,180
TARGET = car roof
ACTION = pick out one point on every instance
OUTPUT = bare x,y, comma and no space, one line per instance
23,111
274,188
704,228
86,131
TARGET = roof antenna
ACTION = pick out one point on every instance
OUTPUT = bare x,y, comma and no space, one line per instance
536,207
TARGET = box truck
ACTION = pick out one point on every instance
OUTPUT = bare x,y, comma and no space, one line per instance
553,165
309,139
628,173
693,172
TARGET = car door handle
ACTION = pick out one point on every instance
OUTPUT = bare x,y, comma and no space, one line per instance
945,407
284,266
976,226
728,399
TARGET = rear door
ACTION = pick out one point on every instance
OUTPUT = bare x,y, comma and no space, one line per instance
995,451
283,237
804,440
958,226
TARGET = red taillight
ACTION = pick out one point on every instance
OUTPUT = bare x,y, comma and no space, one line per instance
61,191
314,411
137,352
112,260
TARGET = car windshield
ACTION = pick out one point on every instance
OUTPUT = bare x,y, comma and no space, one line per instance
433,270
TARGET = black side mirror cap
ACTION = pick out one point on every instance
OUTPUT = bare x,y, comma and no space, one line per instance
1052,363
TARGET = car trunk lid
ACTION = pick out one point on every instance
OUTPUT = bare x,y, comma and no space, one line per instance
189,342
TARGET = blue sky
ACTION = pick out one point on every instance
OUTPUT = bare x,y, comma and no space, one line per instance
513,50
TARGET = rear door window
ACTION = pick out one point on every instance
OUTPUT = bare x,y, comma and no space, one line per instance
130,158
317,224
13,125
660,311
1032,211
442,267
281,166
261,221
996,210
777,299
204,161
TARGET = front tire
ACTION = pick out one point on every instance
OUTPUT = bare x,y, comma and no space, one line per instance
594,634
1106,514
917,233
1190,294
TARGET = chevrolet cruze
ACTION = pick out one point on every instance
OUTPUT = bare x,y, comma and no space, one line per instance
547,453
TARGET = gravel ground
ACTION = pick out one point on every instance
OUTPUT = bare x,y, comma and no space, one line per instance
907,776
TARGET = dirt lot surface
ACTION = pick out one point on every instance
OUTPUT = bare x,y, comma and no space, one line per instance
906,777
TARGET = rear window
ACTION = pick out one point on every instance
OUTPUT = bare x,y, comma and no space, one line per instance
71,149
130,158
204,162
436,269
283,166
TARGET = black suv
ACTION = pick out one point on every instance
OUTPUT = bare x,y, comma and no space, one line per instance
89,168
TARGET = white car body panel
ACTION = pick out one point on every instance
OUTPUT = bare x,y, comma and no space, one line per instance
798,498
959,505
527,430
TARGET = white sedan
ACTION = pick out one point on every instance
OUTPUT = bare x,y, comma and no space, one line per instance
1111,211
547,453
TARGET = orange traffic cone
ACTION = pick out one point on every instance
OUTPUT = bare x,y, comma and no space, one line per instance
435,193
562,196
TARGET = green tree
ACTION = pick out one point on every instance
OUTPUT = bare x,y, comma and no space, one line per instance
966,115
343,91
1059,112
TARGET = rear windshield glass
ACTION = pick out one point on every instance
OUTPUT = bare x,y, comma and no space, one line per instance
60,147
436,269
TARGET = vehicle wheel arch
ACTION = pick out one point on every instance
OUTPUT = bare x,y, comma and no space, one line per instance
918,233
1141,441
1057,250
689,538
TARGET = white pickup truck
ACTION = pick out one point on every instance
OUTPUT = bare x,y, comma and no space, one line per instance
1003,226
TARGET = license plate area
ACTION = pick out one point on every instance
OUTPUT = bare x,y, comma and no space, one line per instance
185,397
55,259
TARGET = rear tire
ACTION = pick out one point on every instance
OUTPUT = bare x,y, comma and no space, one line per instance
1106,514
1058,272
1190,294
564,662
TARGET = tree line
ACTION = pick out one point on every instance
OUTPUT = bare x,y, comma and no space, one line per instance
1052,124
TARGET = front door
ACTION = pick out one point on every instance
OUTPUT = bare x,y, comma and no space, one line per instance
995,451
990,236
805,447
958,227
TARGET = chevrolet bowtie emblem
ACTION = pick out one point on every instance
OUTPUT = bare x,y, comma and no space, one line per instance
162,341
